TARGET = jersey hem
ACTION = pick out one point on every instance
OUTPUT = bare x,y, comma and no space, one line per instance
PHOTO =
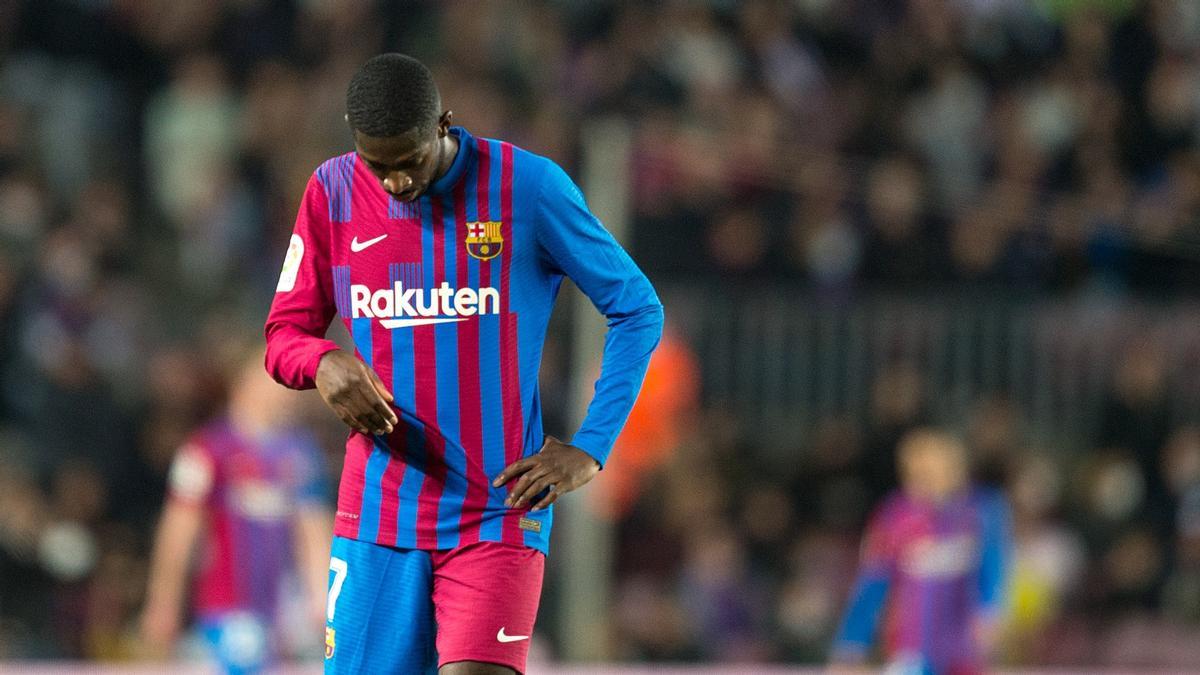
541,544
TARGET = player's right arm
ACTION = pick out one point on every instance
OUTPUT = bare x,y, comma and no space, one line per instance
190,484
298,354
994,561
861,620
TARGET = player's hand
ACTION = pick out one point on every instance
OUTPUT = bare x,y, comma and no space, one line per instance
160,625
355,393
557,466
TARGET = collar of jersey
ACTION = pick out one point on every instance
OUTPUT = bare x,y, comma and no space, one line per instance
466,148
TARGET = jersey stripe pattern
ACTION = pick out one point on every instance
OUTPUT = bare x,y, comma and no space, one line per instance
447,298
929,572
251,490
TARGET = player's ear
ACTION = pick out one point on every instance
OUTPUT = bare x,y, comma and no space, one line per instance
444,123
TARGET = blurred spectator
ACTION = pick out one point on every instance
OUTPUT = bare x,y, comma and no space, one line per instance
151,156
1135,412
897,406
1048,562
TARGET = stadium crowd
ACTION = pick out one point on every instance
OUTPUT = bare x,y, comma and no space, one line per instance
152,155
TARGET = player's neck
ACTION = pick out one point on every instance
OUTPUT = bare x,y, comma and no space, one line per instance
938,499
448,150
246,423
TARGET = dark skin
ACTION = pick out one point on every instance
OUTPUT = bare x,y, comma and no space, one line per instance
406,166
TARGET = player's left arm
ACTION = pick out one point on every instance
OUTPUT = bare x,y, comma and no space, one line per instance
312,529
860,623
573,242
994,560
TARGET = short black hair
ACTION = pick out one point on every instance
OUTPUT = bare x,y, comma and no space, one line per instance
391,95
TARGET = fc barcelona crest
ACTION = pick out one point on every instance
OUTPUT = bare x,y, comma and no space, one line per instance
484,240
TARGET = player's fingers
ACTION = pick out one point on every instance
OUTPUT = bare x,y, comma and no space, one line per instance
379,387
382,412
518,488
523,489
377,425
370,406
357,424
343,414
513,470
365,414
357,407
535,488
386,415
551,496
389,414
349,418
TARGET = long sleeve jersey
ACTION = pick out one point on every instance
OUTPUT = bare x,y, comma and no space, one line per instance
447,298
251,490
930,572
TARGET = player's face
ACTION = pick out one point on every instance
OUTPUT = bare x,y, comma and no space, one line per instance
932,467
407,164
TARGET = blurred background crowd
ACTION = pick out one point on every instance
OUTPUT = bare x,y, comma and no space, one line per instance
827,161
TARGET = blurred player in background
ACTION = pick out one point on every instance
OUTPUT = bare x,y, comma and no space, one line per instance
934,565
246,523
443,254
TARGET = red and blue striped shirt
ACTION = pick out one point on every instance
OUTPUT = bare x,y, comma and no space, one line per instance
929,572
448,298
251,490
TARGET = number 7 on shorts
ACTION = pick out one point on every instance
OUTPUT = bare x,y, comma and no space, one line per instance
339,569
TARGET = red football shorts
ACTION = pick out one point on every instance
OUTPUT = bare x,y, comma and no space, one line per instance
485,601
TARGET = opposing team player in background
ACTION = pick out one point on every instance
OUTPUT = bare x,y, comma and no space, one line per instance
443,253
936,557
247,523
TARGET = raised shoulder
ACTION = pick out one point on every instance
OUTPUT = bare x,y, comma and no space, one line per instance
336,176
335,165
525,162
211,438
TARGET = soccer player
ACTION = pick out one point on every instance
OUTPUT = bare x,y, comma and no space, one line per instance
442,253
251,490
936,556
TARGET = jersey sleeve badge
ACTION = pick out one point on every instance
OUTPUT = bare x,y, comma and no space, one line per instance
291,265
191,474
